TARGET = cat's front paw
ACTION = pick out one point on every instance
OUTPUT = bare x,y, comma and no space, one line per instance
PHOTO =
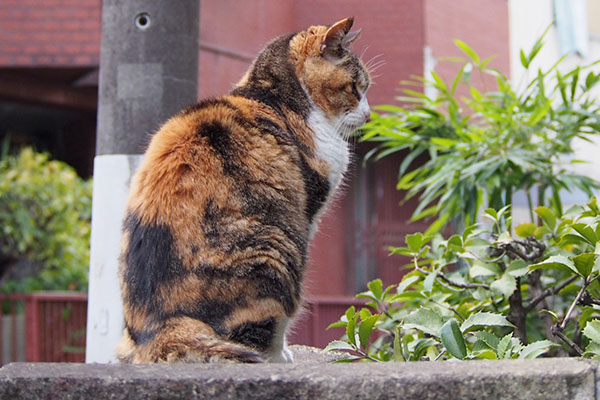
286,353
283,356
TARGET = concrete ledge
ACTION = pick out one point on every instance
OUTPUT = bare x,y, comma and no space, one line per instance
546,379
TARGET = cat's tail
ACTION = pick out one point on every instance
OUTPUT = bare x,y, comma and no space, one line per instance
178,347
209,349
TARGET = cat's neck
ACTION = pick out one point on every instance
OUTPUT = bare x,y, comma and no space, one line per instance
272,81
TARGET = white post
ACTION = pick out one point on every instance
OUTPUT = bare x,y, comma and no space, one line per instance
148,72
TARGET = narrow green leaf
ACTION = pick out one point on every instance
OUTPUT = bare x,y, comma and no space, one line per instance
457,79
410,157
484,319
536,349
405,251
365,313
489,339
376,287
593,203
525,229
414,241
365,328
351,329
574,81
351,326
540,113
570,239
518,268
590,80
467,50
444,143
504,346
439,82
547,216
524,60
584,263
429,281
338,324
424,319
485,355
339,345
350,313
556,262
407,281
438,224
492,214
453,340
480,268
587,232
592,349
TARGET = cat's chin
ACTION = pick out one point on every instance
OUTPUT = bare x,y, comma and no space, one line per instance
349,130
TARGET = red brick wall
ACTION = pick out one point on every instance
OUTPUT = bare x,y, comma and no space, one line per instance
482,24
55,33
391,29
241,29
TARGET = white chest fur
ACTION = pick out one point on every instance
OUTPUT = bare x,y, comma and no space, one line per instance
330,146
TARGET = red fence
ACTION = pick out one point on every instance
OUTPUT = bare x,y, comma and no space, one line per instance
311,326
43,327
50,327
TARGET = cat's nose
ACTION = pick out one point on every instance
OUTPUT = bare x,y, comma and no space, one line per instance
367,117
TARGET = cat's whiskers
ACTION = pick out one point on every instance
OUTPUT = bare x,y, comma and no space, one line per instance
375,66
362,54
373,61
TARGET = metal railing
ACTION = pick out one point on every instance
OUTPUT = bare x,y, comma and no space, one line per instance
43,327
50,327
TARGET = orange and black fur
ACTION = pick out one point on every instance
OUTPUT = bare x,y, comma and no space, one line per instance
229,193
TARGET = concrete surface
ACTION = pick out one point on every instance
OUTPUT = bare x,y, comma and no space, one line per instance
309,378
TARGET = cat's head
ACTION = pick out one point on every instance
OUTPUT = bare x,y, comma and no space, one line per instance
334,77
313,70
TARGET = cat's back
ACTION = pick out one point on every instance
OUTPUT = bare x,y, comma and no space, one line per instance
220,145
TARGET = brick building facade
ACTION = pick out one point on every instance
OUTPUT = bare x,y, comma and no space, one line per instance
49,52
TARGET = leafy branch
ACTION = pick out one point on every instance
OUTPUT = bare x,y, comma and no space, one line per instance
504,289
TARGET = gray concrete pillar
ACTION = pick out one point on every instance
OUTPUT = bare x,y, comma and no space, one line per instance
148,72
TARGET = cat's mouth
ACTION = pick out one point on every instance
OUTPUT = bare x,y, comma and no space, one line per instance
355,121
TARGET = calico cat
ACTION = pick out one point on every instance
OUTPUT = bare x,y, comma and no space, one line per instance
230,191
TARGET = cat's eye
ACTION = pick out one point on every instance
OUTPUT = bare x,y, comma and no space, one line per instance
355,91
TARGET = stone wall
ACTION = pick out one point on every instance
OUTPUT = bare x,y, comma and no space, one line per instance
311,377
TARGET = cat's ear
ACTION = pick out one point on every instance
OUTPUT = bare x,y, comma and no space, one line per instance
338,38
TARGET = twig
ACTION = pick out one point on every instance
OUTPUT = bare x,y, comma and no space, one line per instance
587,300
534,249
558,332
439,355
549,292
557,329
449,307
454,283
365,355
563,324
493,260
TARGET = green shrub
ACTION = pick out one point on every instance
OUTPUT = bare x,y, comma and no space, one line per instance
491,290
515,295
45,213
488,145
